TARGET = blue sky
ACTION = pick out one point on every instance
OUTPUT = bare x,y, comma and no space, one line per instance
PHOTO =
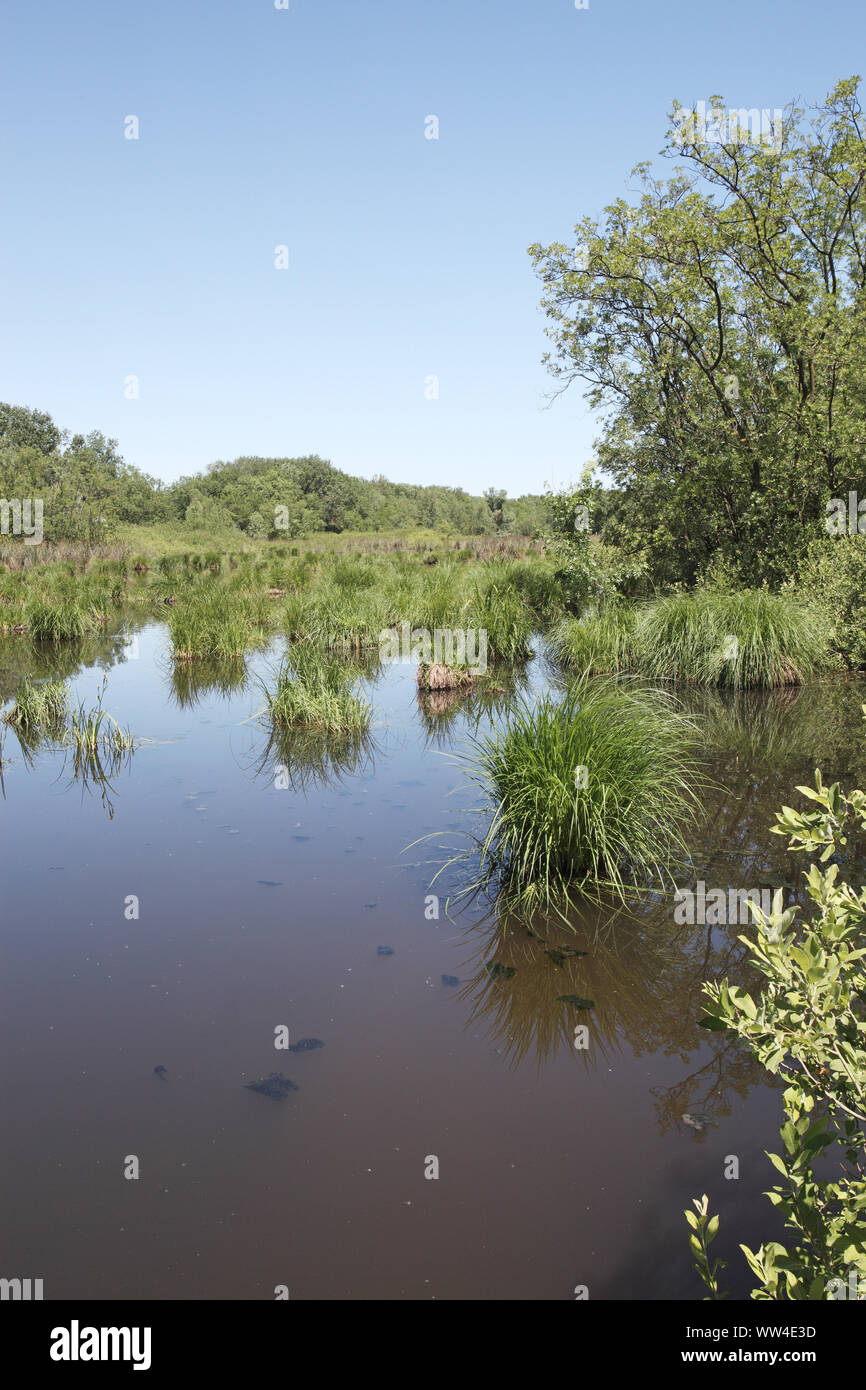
305,128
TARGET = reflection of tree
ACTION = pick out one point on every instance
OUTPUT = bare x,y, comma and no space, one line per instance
730,1070
644,972
767,730
761,746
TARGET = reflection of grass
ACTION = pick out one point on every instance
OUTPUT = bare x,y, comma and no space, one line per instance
100,747
192,681
440,711
773,728
314,691
303,760
40,718
645,983
587,795
38,708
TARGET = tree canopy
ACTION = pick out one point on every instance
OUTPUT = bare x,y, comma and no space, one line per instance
720,322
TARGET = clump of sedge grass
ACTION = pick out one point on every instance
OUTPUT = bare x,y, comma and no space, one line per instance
598,643
61,619
216,624
741,640
588,797
502,613
314,690
94,731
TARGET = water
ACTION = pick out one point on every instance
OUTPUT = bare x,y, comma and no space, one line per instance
262,905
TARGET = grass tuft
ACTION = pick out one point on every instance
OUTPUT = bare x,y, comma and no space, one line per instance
588,796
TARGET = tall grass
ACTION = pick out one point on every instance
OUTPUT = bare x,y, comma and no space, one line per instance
215,623
314,691
588,796
500,610
341,618
599,643
59,619
744,639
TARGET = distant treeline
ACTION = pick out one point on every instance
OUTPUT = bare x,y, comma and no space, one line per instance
88,490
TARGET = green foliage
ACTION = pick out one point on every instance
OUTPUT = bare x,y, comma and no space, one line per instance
808,1026
314,691
751,638
719,319
213,623
589,572
500,611
832,578
38,708
89,493
597,644
704,1230
58,619
588,795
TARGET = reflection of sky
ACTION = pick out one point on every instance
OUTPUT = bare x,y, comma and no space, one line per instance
262,906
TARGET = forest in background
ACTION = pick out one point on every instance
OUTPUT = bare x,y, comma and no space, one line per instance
88,491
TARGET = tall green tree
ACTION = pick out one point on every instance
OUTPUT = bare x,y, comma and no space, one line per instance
720,321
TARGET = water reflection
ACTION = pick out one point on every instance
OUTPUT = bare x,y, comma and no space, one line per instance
305,760
42,661
613,986
193,682
444,713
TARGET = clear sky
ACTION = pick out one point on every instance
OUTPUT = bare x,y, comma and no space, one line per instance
305,127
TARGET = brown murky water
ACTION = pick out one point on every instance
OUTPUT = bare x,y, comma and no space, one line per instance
263,905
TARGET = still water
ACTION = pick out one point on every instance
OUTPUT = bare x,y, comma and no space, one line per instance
265,890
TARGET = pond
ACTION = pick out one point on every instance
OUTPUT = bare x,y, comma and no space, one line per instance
449,1140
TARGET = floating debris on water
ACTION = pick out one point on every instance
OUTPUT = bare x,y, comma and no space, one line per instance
269,882
306,1045
160,1072
500,972
698,1121
576,1000
450,980
275,1085
384,950
561,956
